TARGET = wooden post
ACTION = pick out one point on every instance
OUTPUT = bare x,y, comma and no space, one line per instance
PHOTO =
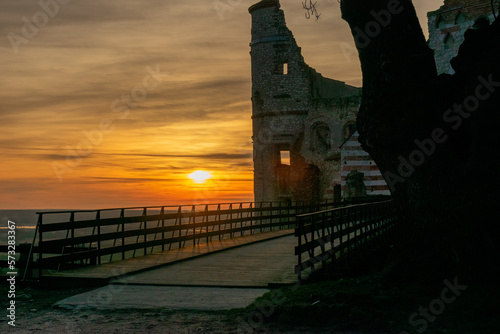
162,213
144,214
231,220
313,238
322,243
299,236
72,220
180,216
240,214
348,214
251,218
40,245
205,219
122,215
219,219
98,217
341,233
29,261
193,220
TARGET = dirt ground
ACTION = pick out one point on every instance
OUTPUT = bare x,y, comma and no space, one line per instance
151,322
35,314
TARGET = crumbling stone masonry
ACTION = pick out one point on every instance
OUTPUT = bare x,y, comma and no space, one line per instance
300,119
448,24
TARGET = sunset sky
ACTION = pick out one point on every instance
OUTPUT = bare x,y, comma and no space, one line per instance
114,103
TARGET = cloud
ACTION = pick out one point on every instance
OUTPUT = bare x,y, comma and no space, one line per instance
64,79
212,156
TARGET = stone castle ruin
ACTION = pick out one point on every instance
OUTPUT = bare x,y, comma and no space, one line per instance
448,24
304,125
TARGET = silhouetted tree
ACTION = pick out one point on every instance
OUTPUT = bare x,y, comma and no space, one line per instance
435,138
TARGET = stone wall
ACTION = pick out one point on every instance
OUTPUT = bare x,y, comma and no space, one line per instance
448,24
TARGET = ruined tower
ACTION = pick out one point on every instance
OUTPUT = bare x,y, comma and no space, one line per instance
300,119
448,24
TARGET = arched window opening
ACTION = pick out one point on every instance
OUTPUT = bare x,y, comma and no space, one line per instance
449,41
460,18
348,130
481,23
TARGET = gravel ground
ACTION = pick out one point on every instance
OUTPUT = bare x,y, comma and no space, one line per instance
35,313
138,321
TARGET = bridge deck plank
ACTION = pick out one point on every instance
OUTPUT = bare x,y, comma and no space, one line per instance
136,265
256,265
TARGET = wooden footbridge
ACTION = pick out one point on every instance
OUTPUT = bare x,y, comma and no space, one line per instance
104,245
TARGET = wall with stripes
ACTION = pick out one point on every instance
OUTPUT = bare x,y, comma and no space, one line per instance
353,157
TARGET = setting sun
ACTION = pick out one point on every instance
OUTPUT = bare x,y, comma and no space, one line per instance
200,176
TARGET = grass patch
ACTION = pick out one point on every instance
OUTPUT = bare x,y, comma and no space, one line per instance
366,304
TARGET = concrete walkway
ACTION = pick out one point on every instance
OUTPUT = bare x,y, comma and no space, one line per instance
162,297
227,279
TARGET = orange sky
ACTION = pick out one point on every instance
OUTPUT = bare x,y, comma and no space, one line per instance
114,103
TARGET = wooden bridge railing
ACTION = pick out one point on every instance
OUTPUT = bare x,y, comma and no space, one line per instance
98,236
333,235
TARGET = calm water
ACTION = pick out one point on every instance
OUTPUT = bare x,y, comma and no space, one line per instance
26,221
25,225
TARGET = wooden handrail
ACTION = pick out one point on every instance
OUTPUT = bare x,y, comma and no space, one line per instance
339,232
97,240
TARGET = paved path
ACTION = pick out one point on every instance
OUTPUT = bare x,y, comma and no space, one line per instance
162,297
228,279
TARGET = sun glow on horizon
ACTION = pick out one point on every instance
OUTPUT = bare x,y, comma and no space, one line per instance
200,176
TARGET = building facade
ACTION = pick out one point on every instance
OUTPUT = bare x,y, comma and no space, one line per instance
448,24
360,176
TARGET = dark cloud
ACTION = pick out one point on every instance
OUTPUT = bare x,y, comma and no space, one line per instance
126,180
212,156
221,84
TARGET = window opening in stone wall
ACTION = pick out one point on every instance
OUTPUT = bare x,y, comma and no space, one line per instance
321,138
481,23
285,68
449,41
349,130
285,158
460,18
439,21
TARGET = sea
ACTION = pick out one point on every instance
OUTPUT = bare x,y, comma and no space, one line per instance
25,222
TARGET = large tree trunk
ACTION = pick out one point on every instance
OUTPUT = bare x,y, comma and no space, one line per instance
440,163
